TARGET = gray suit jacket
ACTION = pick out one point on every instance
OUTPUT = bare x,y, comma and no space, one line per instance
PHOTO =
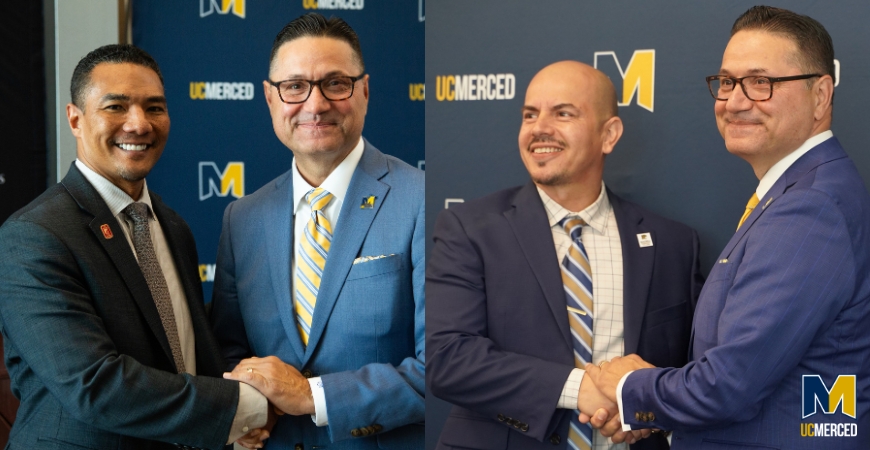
83,342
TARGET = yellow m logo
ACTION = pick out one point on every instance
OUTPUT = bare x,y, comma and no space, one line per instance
638,78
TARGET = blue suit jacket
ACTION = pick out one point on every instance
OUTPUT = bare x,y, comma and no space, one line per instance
367,333
499,341
84,345
789,296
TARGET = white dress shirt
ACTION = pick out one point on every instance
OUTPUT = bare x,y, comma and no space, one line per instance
601,239
251,411
767,181
336,184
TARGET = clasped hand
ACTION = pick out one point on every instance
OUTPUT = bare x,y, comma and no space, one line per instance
286,388
597,398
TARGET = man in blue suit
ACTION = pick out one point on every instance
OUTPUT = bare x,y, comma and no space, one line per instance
501,323
322,268
780,347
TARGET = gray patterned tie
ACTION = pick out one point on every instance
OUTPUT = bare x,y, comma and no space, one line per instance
138,212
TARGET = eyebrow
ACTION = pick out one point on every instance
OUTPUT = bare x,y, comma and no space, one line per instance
328,75
755,71
126,98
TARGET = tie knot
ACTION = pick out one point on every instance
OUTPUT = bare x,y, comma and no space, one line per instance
137,211
753,202
318,198
573,225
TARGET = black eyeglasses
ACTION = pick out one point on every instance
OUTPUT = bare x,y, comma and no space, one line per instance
298,90
756,88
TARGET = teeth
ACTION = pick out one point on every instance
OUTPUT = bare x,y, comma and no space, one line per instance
133,147
546,150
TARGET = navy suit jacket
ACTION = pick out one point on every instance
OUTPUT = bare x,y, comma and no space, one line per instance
367,333
788,297
499,340
86,351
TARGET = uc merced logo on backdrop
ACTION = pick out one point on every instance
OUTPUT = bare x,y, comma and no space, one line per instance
208,7
638,77
816,395
333,4
214,182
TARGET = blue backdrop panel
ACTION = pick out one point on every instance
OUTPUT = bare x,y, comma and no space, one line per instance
670,159
214,55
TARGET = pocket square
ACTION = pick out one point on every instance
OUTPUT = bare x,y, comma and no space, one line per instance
363,259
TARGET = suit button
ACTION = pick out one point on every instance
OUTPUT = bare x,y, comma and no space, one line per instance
307,373
501,418
638,416
524,427
355,432
377,428
365,431
651,417
555,439
298,447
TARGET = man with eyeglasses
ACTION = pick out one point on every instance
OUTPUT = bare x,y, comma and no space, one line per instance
780,342
318,296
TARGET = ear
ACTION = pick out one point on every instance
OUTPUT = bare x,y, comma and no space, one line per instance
266,89
73,116
611,132
365,86
823,91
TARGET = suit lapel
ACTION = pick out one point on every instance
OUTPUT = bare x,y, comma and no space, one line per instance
637,268
528,220
118,250
278,214
350,232
825,152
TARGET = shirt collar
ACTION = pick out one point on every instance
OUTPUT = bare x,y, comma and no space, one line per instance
782,165
115,198
595,215
336,183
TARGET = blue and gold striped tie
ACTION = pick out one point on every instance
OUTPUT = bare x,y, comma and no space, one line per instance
313,248
577,278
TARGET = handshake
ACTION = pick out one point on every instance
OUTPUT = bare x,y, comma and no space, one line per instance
597,398
288,392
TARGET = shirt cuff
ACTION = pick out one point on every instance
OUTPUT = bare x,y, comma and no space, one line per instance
619,401
568,399
252,412
320,416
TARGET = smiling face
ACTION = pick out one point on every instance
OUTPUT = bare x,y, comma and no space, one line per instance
568,126
320,132
122,129
765,132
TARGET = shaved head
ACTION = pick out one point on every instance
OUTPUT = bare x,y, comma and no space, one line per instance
592,81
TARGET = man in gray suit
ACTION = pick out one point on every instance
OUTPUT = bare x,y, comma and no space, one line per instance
100,305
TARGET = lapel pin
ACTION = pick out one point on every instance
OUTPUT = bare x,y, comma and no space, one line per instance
767,203
107,232
368,202
644,240
576,311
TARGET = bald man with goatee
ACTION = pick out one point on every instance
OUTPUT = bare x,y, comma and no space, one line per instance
528,284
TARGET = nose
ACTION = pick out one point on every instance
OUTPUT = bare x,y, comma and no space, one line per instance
137,121
738,101
316,102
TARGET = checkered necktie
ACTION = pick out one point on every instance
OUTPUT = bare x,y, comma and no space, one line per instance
313,248
577,278
138,213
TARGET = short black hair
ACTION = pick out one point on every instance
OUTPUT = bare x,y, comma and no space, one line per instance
111,54
815,47
315,25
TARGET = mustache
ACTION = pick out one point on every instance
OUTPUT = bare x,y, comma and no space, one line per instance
546,139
